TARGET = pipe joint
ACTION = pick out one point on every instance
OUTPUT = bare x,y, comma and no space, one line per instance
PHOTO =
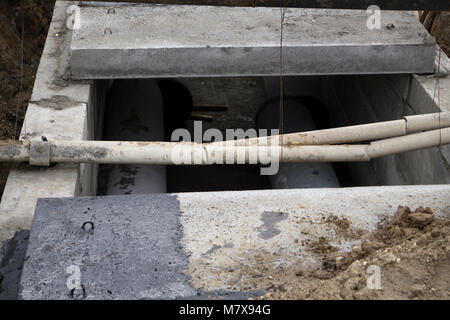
40,153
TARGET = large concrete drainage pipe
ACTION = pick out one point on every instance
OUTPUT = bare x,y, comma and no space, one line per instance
296,117
134,112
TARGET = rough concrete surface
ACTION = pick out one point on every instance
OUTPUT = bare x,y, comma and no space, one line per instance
126,247
131,250
12,255
58,110
201,244
246,241
171,41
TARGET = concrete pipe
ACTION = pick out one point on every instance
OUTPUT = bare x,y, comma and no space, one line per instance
134,112
296,117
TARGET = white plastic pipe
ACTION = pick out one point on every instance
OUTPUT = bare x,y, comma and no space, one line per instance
425,122
177,153
358,133
410,142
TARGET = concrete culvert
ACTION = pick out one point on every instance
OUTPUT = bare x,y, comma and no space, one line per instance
177,101
297,117
134,111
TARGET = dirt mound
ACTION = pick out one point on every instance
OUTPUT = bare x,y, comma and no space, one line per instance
407,257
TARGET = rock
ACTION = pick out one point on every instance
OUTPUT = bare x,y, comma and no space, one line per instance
355,267
339,262
401,215
420,219
409,232
370,246
282,288
299,273
356,251
388,257
416,291
435,233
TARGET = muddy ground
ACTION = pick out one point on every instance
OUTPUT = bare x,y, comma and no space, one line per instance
411,253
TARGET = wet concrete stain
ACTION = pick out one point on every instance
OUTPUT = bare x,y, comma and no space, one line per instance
127,178
133,123
57,102
270,218
216,247
12,256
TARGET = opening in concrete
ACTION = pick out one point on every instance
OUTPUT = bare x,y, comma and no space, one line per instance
151,109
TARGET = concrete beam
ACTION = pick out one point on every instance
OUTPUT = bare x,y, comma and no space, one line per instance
209,243
179,41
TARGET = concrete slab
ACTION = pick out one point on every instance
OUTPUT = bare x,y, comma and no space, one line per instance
167,246
120,247
131,250
134,41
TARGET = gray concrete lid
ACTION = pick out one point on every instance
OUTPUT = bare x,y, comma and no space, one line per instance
119,248
169,40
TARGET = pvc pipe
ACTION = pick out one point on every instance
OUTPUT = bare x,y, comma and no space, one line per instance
175,153
116,152
429,121
358,133
408,143
295,175
14,151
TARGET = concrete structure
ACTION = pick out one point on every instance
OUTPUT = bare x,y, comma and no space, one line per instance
180,41
59,109
161,246
65,109
296,118
135,113
333,4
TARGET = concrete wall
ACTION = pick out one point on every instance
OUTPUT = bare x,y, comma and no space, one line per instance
359,99
371,98
59,109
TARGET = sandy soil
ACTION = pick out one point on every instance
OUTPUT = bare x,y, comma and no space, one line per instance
411,254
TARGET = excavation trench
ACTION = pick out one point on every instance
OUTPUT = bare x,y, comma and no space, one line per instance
251,104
